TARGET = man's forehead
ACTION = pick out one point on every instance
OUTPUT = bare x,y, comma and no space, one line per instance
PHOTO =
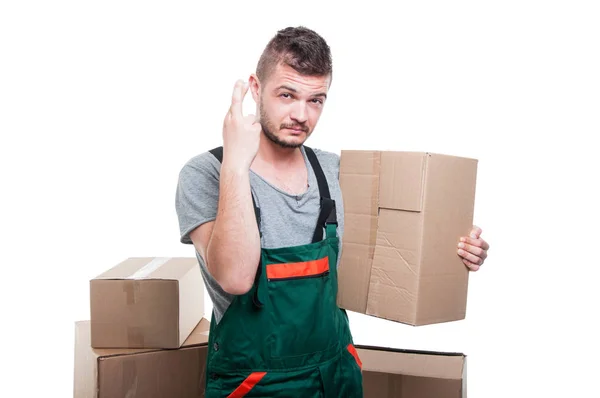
285,76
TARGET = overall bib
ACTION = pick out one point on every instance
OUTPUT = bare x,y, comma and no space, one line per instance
287,337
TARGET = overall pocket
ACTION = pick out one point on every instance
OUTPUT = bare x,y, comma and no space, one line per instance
302,308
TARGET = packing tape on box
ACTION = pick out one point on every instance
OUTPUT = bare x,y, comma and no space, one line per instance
131,286
129,378
135,337
149,268
131,289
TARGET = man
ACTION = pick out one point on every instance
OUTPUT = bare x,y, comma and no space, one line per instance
265,215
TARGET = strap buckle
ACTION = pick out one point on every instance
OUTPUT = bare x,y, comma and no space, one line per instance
332,216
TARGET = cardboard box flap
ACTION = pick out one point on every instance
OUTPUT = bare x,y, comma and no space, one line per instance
359,172
440,365
402,177
166,268
359,179
199,335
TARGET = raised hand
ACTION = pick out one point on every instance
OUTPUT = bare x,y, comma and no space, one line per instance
241,134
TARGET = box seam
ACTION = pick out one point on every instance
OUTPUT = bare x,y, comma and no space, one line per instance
423,198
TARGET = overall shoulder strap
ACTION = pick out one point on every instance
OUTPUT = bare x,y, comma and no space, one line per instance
218,153
256,299
321,179
328,213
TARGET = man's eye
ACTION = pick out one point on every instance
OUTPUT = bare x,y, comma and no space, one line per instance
318,101
285,95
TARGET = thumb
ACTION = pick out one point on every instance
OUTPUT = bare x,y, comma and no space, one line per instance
475,232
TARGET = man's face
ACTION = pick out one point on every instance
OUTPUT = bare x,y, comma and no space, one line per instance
290,105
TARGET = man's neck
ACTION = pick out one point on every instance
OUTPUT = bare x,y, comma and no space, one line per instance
282,167
273,154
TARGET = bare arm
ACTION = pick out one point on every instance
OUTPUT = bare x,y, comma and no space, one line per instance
230,245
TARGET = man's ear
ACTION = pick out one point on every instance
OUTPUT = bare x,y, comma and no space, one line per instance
254,87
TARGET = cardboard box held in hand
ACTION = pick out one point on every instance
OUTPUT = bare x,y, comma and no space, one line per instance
404,215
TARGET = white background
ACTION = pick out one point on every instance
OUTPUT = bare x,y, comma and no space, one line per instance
101,103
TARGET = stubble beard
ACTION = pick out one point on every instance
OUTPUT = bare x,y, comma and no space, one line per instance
268,128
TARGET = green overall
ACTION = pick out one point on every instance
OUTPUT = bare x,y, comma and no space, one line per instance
287,337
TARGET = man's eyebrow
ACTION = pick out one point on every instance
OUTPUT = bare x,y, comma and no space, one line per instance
284,87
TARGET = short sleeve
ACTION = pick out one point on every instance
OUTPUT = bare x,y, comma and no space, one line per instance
197,195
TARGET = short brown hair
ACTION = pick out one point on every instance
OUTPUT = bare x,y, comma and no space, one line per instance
300,48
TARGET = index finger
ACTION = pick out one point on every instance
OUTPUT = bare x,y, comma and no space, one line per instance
476,242
239,92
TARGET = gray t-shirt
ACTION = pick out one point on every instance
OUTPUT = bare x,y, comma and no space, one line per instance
286,220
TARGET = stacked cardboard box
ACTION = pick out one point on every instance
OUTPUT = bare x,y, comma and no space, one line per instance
136,373
146,336
395,373
146,303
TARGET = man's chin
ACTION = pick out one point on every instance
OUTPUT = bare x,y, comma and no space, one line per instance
288,142
296,142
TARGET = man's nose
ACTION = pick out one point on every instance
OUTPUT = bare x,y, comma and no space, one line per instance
299,113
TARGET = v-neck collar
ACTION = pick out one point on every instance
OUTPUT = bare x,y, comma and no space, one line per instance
310,177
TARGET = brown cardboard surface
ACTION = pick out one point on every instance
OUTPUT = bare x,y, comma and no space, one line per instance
360,226
397,373
133,373
146,303
404,215
385,385
401,181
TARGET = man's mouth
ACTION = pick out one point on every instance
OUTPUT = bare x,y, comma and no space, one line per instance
295,130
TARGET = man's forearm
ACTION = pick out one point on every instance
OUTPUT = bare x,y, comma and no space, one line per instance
233,251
